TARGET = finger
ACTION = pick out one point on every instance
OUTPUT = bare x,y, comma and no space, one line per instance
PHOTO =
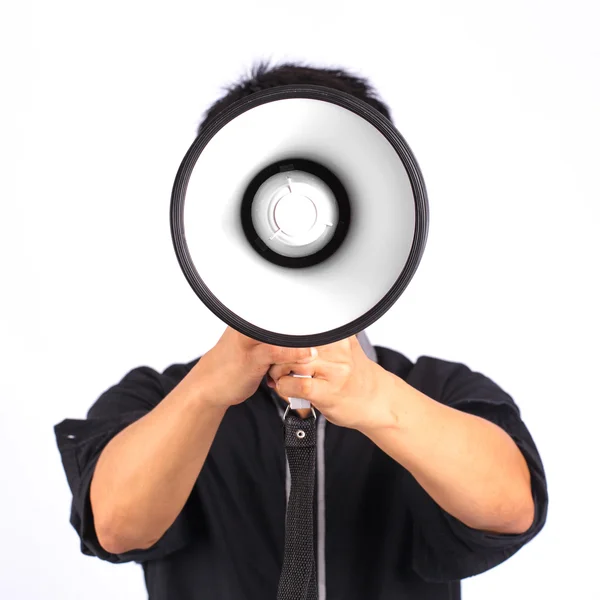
311,389
337,351
319,368
278,371
273,355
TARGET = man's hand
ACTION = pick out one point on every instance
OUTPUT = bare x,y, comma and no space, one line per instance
346,386
234,368
469,466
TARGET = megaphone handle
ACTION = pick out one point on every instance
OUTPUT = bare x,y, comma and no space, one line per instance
296,403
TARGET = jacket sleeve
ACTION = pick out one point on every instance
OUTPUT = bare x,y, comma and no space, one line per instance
444,548
80,443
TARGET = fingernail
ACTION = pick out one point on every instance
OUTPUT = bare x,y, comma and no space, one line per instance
313,354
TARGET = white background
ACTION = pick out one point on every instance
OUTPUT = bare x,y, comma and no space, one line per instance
500,103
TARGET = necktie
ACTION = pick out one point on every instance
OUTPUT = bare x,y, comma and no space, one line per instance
298,576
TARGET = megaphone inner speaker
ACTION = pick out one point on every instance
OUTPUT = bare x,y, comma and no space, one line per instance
299,215
295,213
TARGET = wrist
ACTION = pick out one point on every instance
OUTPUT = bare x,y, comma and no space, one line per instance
390,404
202,393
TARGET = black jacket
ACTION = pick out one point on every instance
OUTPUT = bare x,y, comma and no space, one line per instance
379,534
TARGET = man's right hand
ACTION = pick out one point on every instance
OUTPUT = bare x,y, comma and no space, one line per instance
231,372
146,473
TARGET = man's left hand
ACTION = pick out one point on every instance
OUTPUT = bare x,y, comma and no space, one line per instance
345,385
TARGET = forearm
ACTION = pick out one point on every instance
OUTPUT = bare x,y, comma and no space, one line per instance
145,474
469,466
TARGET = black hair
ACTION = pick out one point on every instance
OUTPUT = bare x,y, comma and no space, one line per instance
262,76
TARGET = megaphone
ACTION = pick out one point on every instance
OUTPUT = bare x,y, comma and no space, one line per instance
299,215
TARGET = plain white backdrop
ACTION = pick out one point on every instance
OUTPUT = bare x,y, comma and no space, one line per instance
500,103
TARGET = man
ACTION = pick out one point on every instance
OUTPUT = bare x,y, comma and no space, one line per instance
426,473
